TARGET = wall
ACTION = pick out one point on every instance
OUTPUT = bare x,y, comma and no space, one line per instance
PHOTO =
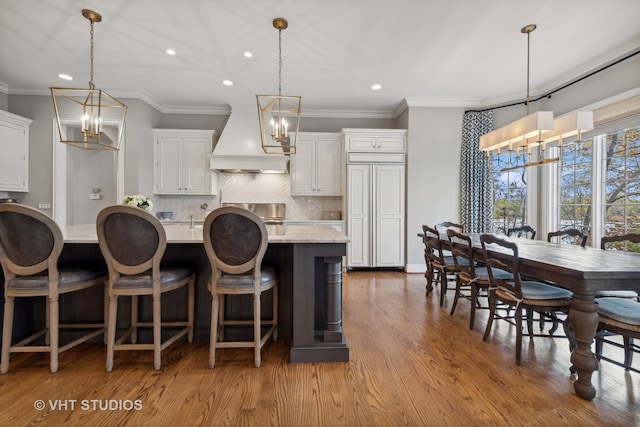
433,174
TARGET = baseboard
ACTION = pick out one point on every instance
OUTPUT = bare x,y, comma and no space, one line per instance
416,268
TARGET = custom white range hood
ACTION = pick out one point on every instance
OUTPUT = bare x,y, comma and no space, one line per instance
239,148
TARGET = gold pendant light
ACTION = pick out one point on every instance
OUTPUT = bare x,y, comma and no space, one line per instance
91,107
279,115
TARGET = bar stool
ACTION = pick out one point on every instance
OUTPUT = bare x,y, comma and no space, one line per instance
133,242
235,241
30,246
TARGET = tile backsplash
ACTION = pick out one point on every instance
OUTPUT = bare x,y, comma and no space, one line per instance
249,188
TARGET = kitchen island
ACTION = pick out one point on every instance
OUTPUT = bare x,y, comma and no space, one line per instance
309,261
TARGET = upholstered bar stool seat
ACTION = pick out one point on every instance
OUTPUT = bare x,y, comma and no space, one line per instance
30,246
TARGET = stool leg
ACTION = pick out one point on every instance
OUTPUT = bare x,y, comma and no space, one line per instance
157,336
134,318
7,330
53,333
213,335
256,328
191,297
111,330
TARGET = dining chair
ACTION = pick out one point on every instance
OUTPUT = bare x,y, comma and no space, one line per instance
440,267
522,231
133,242
618,242
619,316
469,275
236,241
30,247
568,235
527,296
615,310
432,257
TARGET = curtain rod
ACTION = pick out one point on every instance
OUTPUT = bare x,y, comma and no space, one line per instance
551,92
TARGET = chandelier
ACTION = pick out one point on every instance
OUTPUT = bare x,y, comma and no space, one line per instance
538,128
91,106
279,115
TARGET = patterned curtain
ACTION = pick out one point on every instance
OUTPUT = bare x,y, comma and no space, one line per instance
476,189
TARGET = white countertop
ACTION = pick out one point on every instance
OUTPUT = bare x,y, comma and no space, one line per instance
181,233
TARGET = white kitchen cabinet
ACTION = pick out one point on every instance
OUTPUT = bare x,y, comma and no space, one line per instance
375,215
14,146
318,164
181,161
375,140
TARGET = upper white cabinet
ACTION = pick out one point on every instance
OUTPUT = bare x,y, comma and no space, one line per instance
14,146
317,167
375,140
181,161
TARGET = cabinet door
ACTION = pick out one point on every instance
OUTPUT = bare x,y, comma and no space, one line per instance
14,160
329,163
390,144
197,177
359,215
388,193
303,170
361,143
168,167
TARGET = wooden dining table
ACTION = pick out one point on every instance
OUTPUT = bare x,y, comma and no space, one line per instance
583,271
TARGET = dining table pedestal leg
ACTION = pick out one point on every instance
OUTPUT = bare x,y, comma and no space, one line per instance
584,317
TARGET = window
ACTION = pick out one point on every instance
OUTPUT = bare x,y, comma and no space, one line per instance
622,183
509,193
614,156
575,186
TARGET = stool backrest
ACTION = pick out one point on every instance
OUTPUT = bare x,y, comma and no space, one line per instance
30,241
132,240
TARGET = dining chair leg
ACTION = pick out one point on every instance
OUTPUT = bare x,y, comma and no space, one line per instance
457,294
529,314
492,313
7,329
213,334
54,333
518,314
443,285
474,300
111,330
157,333
628,352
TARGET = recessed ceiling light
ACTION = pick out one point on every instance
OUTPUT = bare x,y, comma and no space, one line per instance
170,52
376,86
227,82
65,76
247,54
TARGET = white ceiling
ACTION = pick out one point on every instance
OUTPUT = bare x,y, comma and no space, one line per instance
431,52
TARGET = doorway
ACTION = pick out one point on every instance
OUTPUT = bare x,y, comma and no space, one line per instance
85,181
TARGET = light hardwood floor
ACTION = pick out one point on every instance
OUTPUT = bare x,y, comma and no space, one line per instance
411,364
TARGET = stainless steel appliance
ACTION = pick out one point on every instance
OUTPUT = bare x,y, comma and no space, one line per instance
270,213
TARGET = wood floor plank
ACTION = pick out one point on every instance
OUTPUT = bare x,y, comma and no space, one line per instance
411,363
